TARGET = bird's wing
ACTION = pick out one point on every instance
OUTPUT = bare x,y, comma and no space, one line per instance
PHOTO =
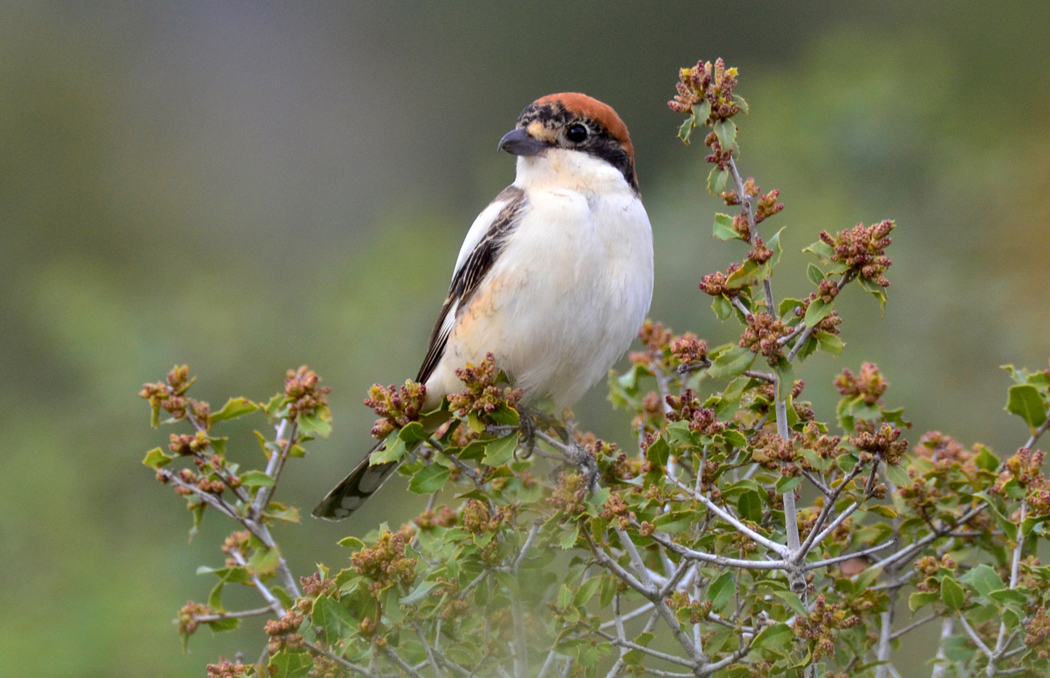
481,247
355,488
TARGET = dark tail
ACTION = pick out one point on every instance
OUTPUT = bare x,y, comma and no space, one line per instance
355,489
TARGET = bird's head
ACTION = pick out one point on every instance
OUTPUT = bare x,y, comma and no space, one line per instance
560,127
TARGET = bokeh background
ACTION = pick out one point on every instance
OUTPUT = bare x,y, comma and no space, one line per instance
249,186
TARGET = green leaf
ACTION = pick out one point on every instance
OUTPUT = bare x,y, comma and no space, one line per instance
429,479
317,424
829,343
722,307
156,458
686,130
658,453
716,180
725,130
786,484
264,561
724,227
749,273
917,600
256,478
821,249
986,461
732,362
586,591
1004,523
568,536
234,407
675,522
332,618
983,579
952,594
897,475
720,591
817,311
749,506
351,543
1024,400
288,664
735,438
413,432
224,624
499,452
739,101
1008,596
814,274
702,112
787,306
419,593
777,636
278,511
793,601
392,450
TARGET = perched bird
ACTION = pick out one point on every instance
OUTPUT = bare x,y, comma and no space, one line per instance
554,277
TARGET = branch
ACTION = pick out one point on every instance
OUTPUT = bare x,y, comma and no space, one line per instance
849,556
734,521
723,561
1038,432
259,611
339,660
974,637
656,654
912,626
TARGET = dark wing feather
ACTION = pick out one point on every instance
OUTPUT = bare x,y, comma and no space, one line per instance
468,276
355,489
366,479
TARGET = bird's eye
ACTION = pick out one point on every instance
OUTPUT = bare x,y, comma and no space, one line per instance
576,134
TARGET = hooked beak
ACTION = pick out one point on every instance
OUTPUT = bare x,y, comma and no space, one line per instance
518,142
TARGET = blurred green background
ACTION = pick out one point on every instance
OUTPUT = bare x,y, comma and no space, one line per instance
246,187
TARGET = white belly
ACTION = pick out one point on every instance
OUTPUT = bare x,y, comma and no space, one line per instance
564,299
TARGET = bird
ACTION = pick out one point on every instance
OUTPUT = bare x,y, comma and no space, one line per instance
554,277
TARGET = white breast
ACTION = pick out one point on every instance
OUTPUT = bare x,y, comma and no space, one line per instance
570,288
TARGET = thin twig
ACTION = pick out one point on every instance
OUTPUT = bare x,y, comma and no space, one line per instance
849,556
339,660
912,626
733,520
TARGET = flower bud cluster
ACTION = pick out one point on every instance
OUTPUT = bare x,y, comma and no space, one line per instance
385,563
188,616
228,669
1025,468
483,395
302,390
284,634
825,446
820,625
687,408
442,517
477,518
614,464
1037,633
886,443
863,250
698,609
569,494
236,546
396,407
706,82
761,336
715,283
869,383
170,395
